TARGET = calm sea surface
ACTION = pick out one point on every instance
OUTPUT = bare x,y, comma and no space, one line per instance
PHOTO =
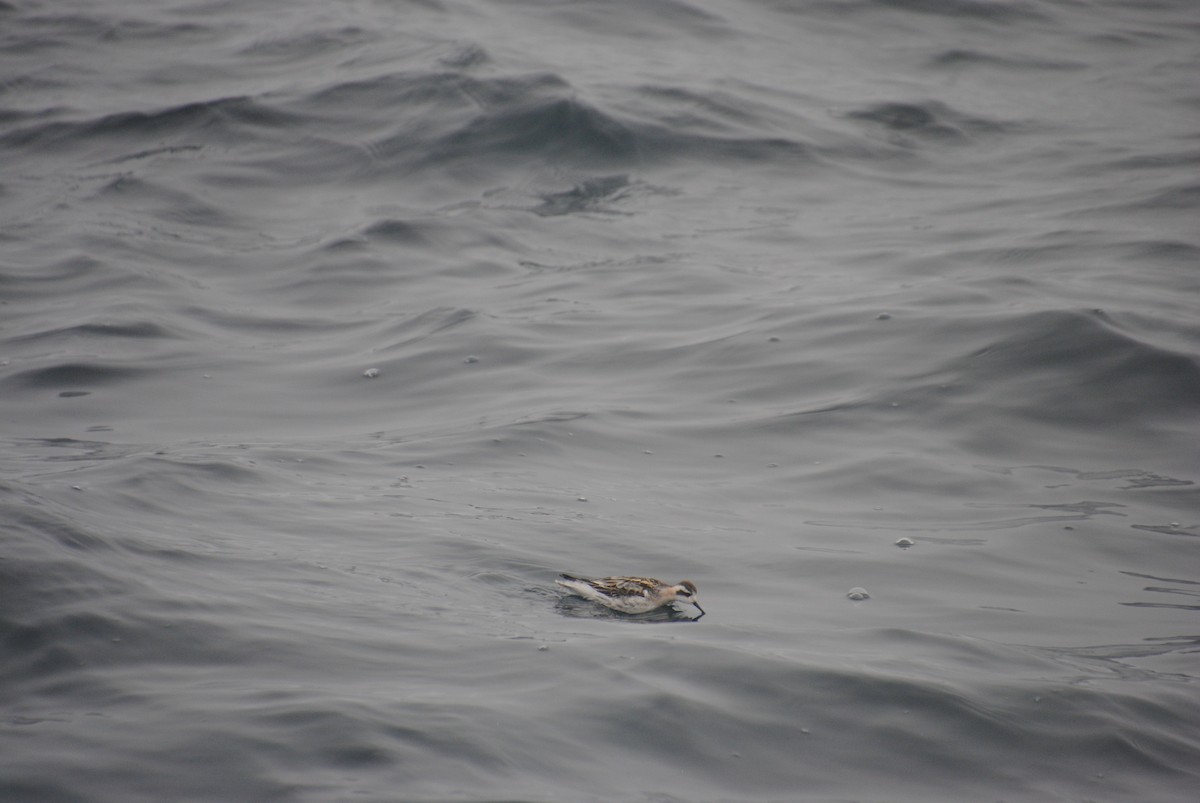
330,332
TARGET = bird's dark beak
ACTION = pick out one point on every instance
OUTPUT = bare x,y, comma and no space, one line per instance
697,604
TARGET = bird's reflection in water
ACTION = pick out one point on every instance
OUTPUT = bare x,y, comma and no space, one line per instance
578,608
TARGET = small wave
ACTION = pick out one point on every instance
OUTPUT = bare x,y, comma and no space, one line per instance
1069,368
539,116
229,120
134,329
150,199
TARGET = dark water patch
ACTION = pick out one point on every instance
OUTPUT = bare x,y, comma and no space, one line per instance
218,472
396,231
448,244
1084,511
90,373
1086,508
1140,162
1178,198
1162,579
1169,529
281,325
931,120
1175,252
102,26
346,244
1165,605
1184,196
588,196
632,20
465,56
1148,660
1135,478
342,738
986,10
1148,479
71,450
958,58
42,790
159,763
70,642
1193,594
18,85
169,150
295,47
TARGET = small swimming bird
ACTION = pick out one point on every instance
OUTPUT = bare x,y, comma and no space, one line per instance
631,594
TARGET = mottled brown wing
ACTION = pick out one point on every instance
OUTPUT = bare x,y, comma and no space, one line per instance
631,586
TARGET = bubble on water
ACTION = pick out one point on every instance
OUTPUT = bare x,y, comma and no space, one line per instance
857,594
883,316
371,373
904,543
471,358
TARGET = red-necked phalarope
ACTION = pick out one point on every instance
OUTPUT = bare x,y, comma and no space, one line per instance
631,594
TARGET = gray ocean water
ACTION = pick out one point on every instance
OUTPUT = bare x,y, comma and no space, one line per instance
330,332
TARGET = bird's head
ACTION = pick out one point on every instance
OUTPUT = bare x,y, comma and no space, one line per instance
686,592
